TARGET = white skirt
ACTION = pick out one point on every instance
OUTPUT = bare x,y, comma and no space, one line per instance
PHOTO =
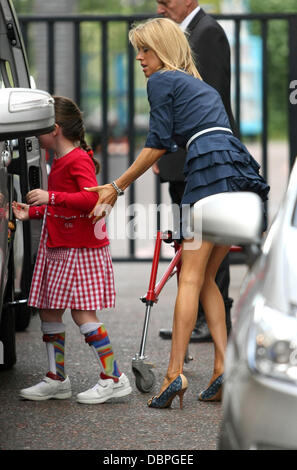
75,278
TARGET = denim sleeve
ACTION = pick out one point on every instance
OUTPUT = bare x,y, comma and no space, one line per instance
160,97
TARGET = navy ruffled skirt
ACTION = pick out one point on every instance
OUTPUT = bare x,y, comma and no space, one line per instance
218,163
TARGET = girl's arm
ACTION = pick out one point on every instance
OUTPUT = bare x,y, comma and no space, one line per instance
25,212
79,201
20,210
107,193
82,173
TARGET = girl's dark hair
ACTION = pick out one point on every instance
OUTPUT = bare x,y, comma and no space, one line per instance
70,119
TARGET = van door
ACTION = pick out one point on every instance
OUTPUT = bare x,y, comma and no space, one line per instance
28,165
23,170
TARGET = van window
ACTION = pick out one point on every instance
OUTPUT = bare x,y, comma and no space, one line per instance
6,77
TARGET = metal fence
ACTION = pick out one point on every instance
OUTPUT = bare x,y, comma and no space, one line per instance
77,21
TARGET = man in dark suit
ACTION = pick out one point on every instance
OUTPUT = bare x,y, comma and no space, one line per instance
211,52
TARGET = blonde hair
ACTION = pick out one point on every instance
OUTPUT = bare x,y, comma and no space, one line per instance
169,43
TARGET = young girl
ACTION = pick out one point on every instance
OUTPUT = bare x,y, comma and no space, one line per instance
186,111
73,267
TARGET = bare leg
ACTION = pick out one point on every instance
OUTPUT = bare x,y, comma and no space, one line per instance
191,280
51,315
214,308
79,316
84,316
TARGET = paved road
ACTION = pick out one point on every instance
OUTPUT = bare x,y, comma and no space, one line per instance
125,423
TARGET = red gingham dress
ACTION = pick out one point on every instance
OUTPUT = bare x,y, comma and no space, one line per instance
75,278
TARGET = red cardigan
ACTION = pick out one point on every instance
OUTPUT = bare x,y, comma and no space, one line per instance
69,204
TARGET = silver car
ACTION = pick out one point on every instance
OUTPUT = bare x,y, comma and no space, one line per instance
260,388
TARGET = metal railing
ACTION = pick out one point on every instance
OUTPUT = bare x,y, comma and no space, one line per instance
104,21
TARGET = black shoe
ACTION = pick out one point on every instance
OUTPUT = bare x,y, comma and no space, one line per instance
200,334
165,334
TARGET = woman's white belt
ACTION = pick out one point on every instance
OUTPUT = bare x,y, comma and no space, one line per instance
210,129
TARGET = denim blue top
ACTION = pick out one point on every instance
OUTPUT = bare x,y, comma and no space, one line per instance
180,106
216,162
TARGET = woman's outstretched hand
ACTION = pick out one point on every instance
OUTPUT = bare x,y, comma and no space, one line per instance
107,199
108,194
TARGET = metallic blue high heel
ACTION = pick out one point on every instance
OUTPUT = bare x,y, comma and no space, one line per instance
214,391
164,400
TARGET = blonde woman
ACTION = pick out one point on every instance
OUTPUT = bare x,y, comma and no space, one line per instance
186,111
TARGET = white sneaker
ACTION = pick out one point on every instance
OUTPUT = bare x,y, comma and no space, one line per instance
106,389
48,388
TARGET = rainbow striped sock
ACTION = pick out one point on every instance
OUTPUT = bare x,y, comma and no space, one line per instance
98,339
55,345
